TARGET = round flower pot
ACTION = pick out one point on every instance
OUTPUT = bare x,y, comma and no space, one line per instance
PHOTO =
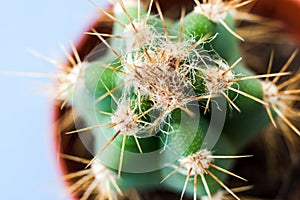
285,10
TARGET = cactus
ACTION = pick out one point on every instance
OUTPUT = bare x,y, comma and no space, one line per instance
170,104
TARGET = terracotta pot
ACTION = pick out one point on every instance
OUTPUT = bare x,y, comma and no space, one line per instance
71,144
285,10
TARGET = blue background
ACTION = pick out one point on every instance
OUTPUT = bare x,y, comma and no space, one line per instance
28,169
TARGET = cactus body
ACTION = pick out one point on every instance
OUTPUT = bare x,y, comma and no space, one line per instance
149,101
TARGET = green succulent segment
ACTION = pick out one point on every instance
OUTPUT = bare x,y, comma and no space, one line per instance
187,135
124,18
225,44
133,24
196,25
177,180
177,141
252,113
99,80
147,180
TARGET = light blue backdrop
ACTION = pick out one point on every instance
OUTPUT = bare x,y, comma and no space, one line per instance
27,167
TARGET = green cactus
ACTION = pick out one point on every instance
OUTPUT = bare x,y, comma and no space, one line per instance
149,102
